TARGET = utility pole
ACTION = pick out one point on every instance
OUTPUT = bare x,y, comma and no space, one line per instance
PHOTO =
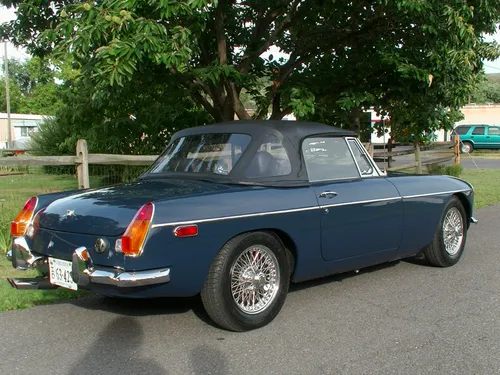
7,95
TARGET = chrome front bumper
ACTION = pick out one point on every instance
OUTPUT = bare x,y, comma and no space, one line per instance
84,272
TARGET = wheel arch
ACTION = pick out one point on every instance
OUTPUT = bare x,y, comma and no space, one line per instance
467,206
285,239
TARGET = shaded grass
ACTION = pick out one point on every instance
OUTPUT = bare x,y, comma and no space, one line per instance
13,299
17,189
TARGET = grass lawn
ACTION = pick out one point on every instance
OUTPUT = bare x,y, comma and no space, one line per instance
13,299
486,187
15,190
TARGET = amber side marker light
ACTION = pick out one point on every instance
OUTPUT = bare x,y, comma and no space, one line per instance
20,224
136,232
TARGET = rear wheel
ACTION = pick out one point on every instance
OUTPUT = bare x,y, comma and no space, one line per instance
448,244
248,282
466,147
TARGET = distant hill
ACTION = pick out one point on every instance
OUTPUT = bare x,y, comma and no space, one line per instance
493,77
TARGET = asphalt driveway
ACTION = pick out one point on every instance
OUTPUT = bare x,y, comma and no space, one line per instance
402,318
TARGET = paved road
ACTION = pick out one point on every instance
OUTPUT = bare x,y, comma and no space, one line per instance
403,318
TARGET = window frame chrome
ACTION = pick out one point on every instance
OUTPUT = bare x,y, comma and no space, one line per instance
376,172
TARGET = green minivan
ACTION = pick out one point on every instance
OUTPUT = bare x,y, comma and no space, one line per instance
477,136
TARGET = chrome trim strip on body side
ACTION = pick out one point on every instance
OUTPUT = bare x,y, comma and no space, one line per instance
438,193
360,202
243,216
258,214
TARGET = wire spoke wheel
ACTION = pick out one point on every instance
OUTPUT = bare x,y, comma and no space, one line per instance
453,231
255,279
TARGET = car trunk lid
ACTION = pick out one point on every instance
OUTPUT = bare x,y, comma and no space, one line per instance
108,211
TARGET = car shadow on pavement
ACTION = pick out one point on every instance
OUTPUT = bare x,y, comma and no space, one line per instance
295,287
177,305
122,337
146,307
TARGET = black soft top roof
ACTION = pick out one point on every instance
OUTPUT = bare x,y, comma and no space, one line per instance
290,133
296,131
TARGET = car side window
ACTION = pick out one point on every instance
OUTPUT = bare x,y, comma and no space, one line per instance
461,130
328,158
364,164
493,130
479,130
270,160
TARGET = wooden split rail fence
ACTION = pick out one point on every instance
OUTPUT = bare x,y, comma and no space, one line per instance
447,150
81,160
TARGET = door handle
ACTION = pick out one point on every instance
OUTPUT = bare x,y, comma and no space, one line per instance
327,194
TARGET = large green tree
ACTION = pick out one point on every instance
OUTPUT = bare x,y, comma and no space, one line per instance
335,56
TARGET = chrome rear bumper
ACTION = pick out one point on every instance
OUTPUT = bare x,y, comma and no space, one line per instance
84,272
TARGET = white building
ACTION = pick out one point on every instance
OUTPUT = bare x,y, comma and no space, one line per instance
22,126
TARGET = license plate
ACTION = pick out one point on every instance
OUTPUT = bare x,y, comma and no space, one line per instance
60,273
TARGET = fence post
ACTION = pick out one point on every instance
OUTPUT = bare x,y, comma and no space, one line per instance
389,149
456,144
82,169
418,158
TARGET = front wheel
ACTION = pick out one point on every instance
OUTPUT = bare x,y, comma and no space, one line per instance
448,244
248,282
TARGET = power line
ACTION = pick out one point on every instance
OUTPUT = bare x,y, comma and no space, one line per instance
491,67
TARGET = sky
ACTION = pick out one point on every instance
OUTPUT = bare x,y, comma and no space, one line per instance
7,14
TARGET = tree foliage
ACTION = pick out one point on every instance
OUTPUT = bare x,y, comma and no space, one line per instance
335,56
33,87
488,91
137,118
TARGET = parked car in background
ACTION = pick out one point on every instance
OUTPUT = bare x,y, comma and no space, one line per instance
480,136
235,212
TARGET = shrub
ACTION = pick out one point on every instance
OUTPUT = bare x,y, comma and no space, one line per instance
454,170
435,169
450,170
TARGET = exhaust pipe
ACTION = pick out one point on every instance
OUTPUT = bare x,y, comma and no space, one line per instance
31,284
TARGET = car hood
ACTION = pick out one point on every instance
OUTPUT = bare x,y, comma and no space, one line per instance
108,211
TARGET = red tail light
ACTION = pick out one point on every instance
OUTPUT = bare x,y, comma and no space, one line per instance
20,223
134,236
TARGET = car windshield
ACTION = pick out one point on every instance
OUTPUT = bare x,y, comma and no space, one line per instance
202,153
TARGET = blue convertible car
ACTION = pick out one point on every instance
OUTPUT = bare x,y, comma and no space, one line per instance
236,211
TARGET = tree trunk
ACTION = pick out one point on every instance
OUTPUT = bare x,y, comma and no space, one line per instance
355,120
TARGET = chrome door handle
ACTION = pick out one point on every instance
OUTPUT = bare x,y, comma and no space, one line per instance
327,194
